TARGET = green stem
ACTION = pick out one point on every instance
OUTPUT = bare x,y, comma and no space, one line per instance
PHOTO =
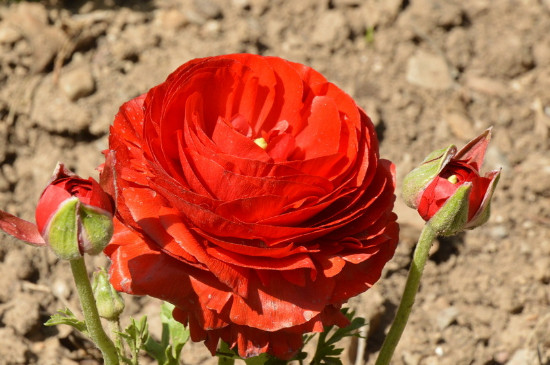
114,327
407,300
320,344
93,323
222,350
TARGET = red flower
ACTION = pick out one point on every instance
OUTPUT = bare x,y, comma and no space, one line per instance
250,195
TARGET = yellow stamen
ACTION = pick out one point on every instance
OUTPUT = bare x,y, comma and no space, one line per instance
452,179
261,142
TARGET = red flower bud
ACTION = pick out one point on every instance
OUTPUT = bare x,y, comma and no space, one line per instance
63,185
73,216
430,186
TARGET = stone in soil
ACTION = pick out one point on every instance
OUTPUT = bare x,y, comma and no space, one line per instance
428,70
77,83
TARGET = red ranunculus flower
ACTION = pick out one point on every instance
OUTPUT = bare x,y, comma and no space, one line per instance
250,195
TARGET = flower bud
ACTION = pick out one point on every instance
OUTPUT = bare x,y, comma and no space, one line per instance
109,302
447,189
418,179
74,215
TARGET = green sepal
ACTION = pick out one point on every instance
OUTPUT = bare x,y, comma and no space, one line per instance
453,215
110,303
97,229
416,181
62,230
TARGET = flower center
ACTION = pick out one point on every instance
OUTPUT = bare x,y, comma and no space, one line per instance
261,142
453,179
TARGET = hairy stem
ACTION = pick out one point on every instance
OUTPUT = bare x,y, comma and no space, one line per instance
409,294
91,316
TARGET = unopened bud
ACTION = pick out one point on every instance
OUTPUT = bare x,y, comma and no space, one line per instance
109,302
74,215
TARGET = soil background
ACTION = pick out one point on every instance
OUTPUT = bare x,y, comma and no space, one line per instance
429,73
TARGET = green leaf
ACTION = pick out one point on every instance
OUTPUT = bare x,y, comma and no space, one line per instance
65,316
174,336
327,352
332,361
177,332
135,335
155,350
348,331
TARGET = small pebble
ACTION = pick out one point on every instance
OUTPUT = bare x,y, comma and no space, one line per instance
499,232
429,71
446,317
523,357
208,8
60,289
486,85
172,19
331,27
9,35
77,83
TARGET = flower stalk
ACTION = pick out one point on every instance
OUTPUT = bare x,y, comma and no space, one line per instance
409,294
91,315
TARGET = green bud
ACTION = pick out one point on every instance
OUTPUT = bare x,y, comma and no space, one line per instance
77,228
97,229
418,179
109,302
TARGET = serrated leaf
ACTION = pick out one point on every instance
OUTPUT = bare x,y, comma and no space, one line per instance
177,333
332,361
135,335
327,352
300,356
348,331
174,336
66,316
